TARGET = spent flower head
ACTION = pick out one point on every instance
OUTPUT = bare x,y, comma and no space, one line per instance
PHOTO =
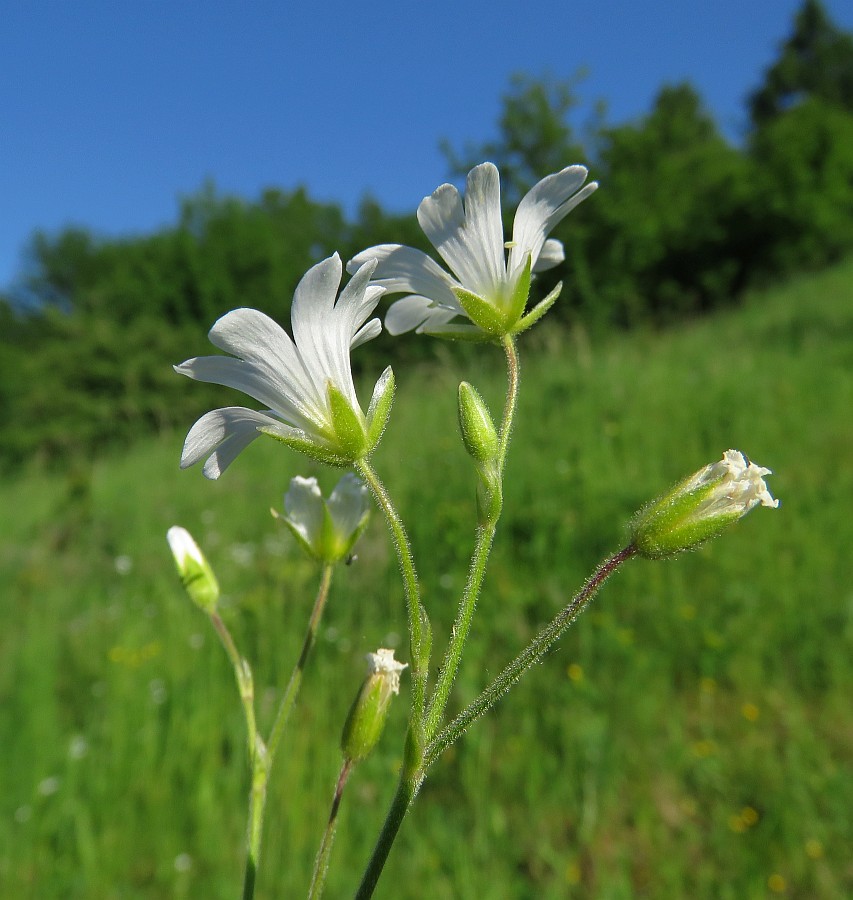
701,506
306,381
326,529
194,570
367,715
485,284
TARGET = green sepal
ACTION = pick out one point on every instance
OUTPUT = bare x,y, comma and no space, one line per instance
538,311
310,448
519,298
380,407
481,312
489,494
475,422
365,721
665,527
469,333
346,423
300,538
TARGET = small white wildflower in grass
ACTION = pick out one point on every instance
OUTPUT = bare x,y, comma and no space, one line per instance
78,747
123,564
486,284
48,786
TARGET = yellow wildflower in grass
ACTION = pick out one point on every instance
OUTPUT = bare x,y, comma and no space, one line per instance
814,848
750,712
575,673
777,883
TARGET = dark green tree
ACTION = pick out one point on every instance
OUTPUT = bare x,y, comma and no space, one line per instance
815,61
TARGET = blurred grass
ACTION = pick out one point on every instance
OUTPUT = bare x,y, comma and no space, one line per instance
691,736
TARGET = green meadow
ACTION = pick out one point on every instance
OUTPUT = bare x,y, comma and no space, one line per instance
690,736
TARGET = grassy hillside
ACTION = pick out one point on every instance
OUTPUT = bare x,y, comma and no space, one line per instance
692,736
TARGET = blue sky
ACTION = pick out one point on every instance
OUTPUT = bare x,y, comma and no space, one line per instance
110,111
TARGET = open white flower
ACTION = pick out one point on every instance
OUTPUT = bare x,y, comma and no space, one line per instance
485,284
326,529
305,381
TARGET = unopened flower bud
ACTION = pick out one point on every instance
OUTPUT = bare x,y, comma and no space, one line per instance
475,422
368,713
701,506
326,529
194,570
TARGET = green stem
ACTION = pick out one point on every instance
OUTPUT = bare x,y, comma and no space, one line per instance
410,582
293,685
479,559
258,756
321,866
527,658
261,755
406,791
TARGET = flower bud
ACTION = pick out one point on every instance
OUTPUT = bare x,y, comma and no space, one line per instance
475,422
195,572
367,715
326,529
701,506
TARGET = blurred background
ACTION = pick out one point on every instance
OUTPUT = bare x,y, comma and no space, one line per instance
692,734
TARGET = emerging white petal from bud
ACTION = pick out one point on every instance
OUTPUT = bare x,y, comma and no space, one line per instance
701,506
194,570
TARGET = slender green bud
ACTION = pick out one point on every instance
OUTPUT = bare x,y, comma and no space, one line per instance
367,715
195,572
701,506
475,422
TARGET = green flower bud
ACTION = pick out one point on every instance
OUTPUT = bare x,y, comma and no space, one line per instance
701,506
326,529
195,572
475,422
367,715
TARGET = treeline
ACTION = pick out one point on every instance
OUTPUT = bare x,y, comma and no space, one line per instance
684,223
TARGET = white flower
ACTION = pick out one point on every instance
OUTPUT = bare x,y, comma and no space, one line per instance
305,381
701,506
487,285
326,529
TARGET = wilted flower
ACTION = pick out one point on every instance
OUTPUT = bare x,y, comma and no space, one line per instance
367,715
701,506
196,574
484,284
326,529
305,381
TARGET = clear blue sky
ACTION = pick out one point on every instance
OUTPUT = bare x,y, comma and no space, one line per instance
110,111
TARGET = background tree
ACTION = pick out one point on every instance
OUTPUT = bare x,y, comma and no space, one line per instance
815,61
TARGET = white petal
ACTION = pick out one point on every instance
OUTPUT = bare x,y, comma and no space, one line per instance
406,270
552,254
223,433
303,504
544,205
258,339
470,237
348,504
414,313
265,387
371,330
